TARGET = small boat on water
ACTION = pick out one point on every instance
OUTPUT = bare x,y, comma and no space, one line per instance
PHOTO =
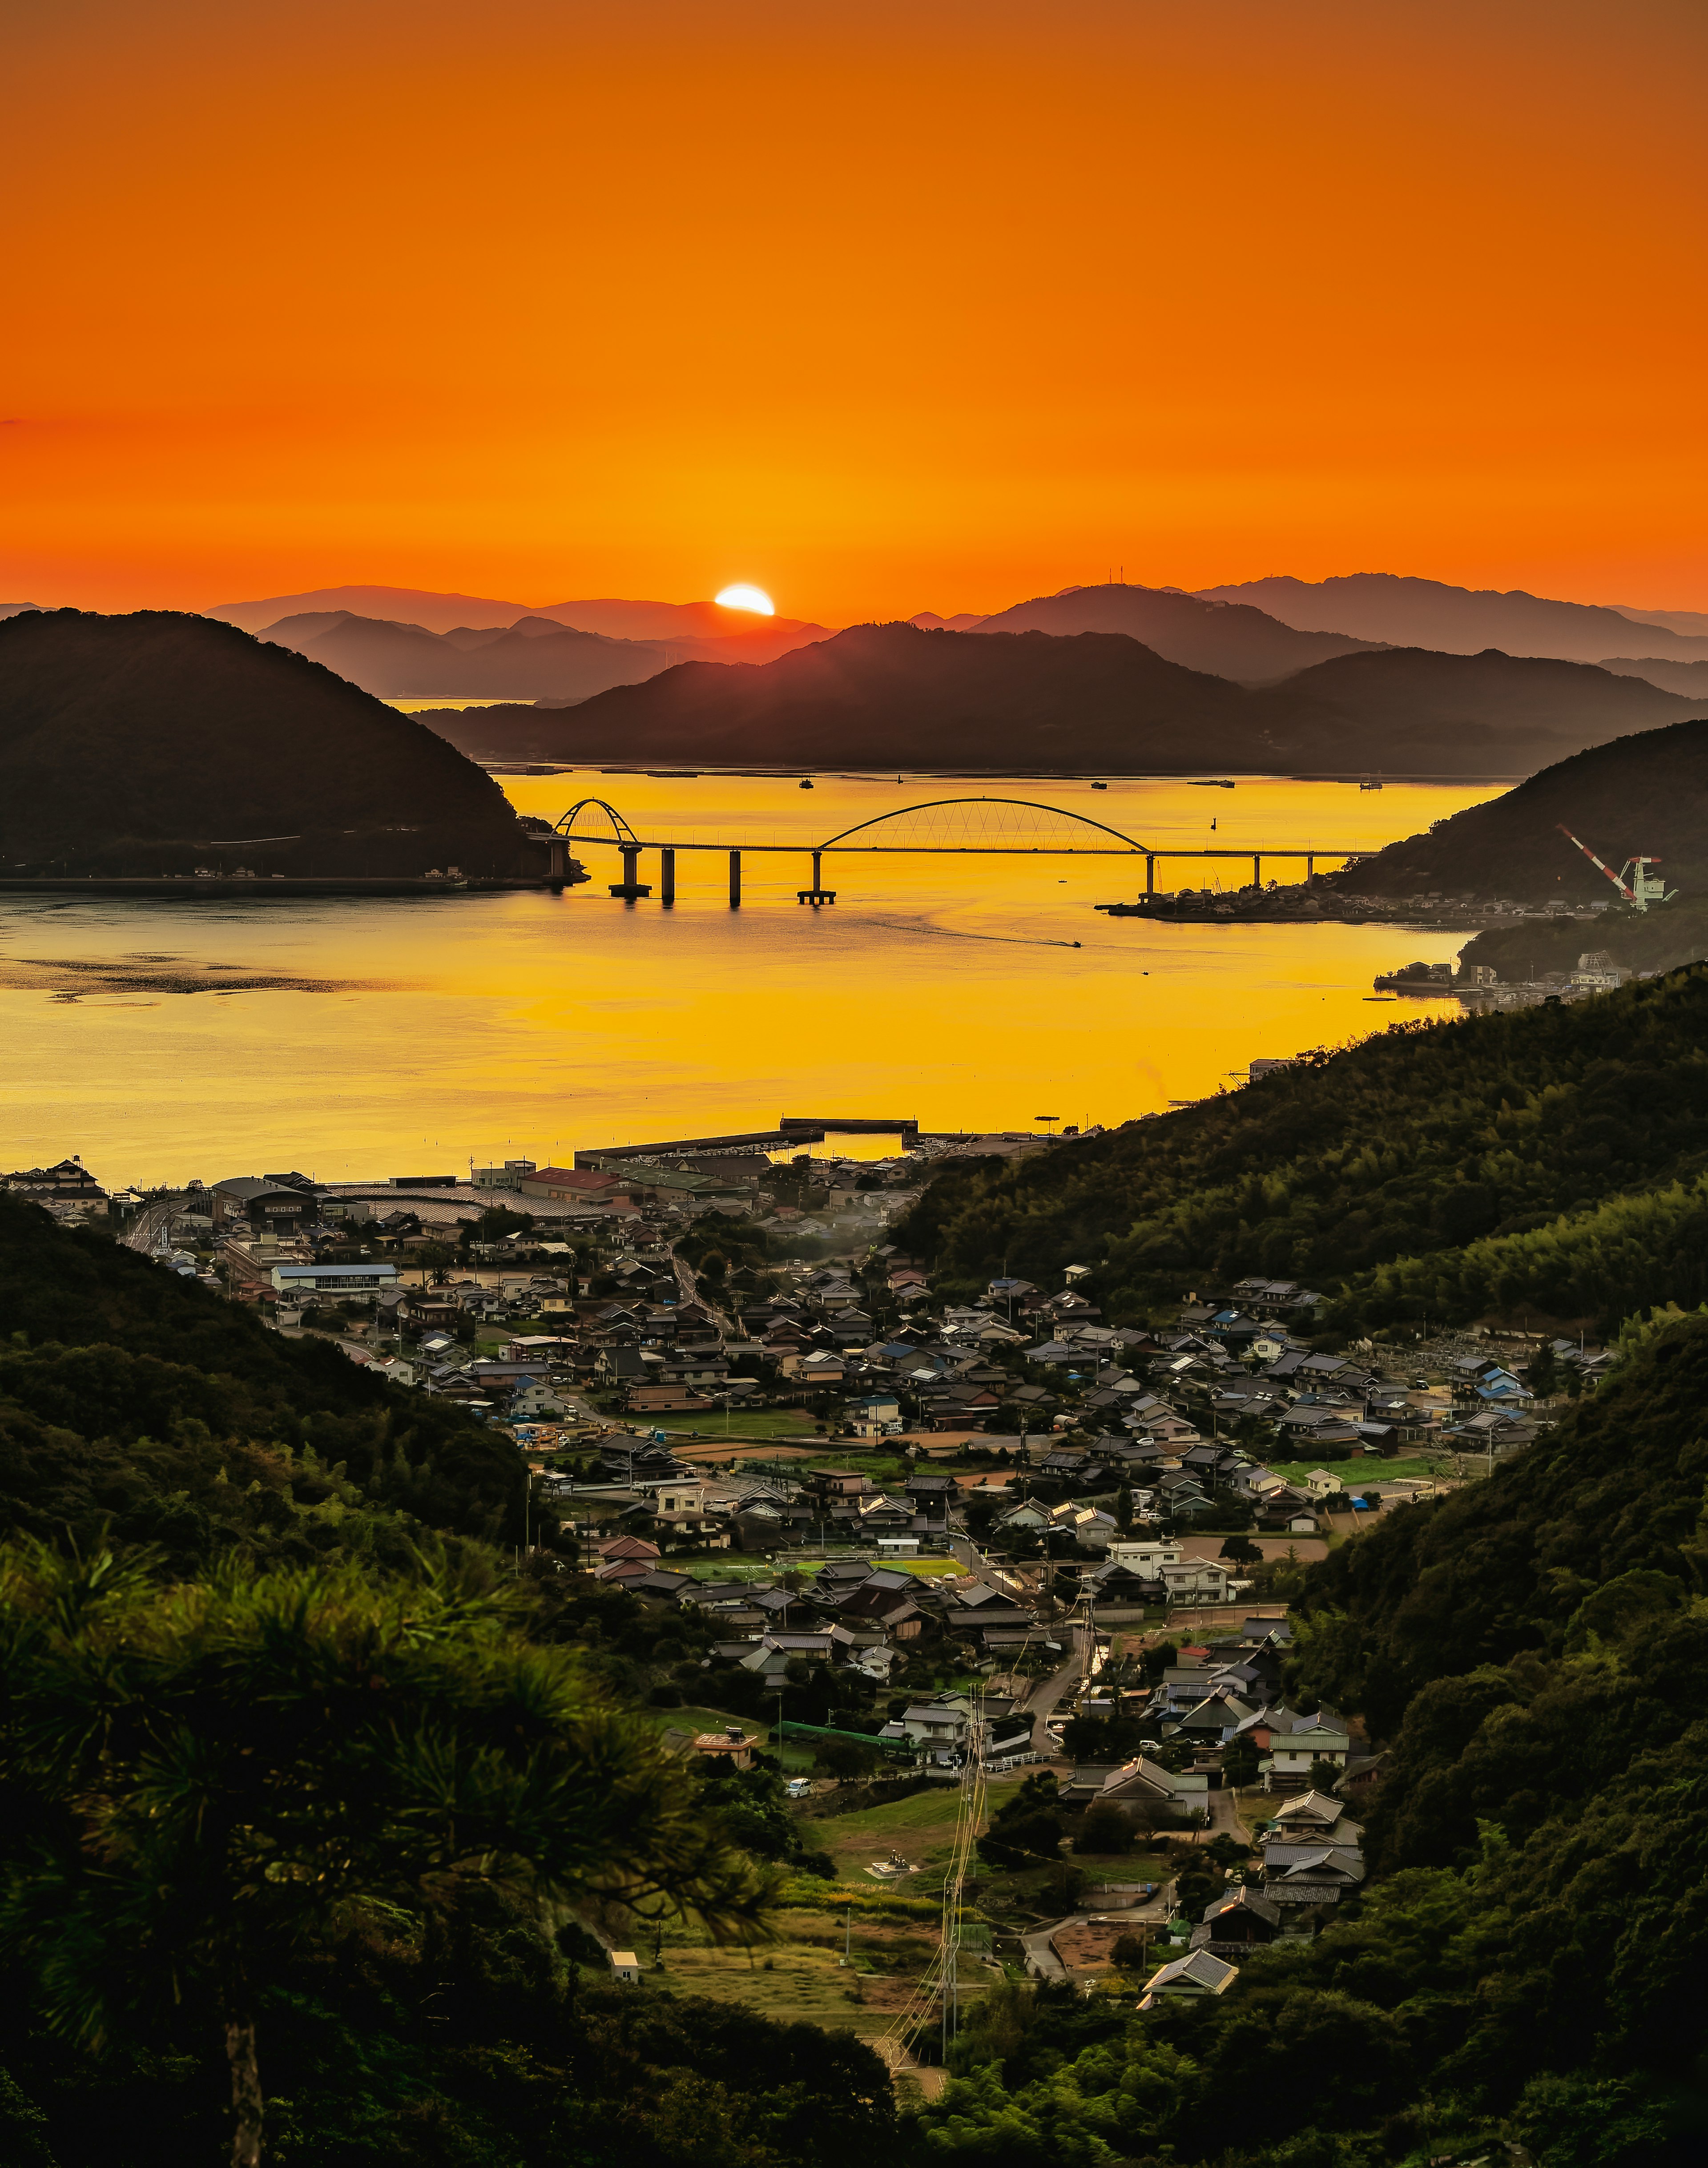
806,783
1100,786
1213,783
1371,783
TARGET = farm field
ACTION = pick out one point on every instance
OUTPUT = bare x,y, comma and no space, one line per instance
921,1828
799,1977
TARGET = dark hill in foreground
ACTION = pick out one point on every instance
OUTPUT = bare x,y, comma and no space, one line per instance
1645,793
157,743
895,695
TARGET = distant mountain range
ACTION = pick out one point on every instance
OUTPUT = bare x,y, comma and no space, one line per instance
1252,633
677,624
1647,794
1689,679
897,695
530,658
1229,640
156,742
1411,613
535,659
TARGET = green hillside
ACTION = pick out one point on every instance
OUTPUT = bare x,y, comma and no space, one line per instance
1547,1161
136,1401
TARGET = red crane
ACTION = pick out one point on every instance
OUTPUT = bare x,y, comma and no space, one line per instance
1594,861
1635,882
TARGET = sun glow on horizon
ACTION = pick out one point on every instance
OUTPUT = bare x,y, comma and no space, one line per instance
742,596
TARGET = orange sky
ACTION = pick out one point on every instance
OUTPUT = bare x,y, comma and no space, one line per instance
886,307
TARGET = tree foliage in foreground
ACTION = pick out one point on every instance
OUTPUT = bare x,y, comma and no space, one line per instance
201,1780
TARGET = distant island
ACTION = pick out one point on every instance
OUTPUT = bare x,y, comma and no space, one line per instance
163,744
1090,703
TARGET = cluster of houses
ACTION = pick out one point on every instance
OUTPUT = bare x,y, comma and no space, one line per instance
1218,1715
1309,1856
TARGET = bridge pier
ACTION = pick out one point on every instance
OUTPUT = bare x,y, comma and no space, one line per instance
631,886
1310,865
735,878
1150,874
818,893
1256,871
667,875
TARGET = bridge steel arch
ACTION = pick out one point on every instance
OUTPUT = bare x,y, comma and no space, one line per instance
1030,804
621,833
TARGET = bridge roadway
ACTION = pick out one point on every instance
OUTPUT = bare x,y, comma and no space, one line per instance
623,838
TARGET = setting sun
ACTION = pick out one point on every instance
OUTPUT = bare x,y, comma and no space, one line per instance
742,596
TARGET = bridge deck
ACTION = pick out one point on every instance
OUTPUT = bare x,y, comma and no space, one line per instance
994,850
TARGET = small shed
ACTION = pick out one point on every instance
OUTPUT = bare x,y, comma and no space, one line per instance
626,1967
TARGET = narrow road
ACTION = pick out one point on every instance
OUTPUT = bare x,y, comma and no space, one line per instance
1044,1696
1046,1693
688,1287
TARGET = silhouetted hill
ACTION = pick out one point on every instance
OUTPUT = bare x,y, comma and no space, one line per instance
1647,793
1465,714
1411,613
894,695
140,744
1229,640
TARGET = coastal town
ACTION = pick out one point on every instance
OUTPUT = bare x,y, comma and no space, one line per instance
884,1540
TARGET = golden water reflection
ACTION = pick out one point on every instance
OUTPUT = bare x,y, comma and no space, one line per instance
409,1035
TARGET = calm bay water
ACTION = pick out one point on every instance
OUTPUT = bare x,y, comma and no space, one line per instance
168,1039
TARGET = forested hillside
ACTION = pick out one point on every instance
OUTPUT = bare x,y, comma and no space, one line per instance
1548,1162
128,1395
1525,1967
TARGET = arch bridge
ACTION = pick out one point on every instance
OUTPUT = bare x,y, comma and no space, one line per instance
1000,827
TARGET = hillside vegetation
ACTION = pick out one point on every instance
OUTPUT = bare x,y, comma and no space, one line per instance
1548,1160
158,742
133,1400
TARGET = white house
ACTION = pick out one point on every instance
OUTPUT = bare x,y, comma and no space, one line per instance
1147,1558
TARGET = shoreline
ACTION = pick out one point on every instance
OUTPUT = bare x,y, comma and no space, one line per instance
282,885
